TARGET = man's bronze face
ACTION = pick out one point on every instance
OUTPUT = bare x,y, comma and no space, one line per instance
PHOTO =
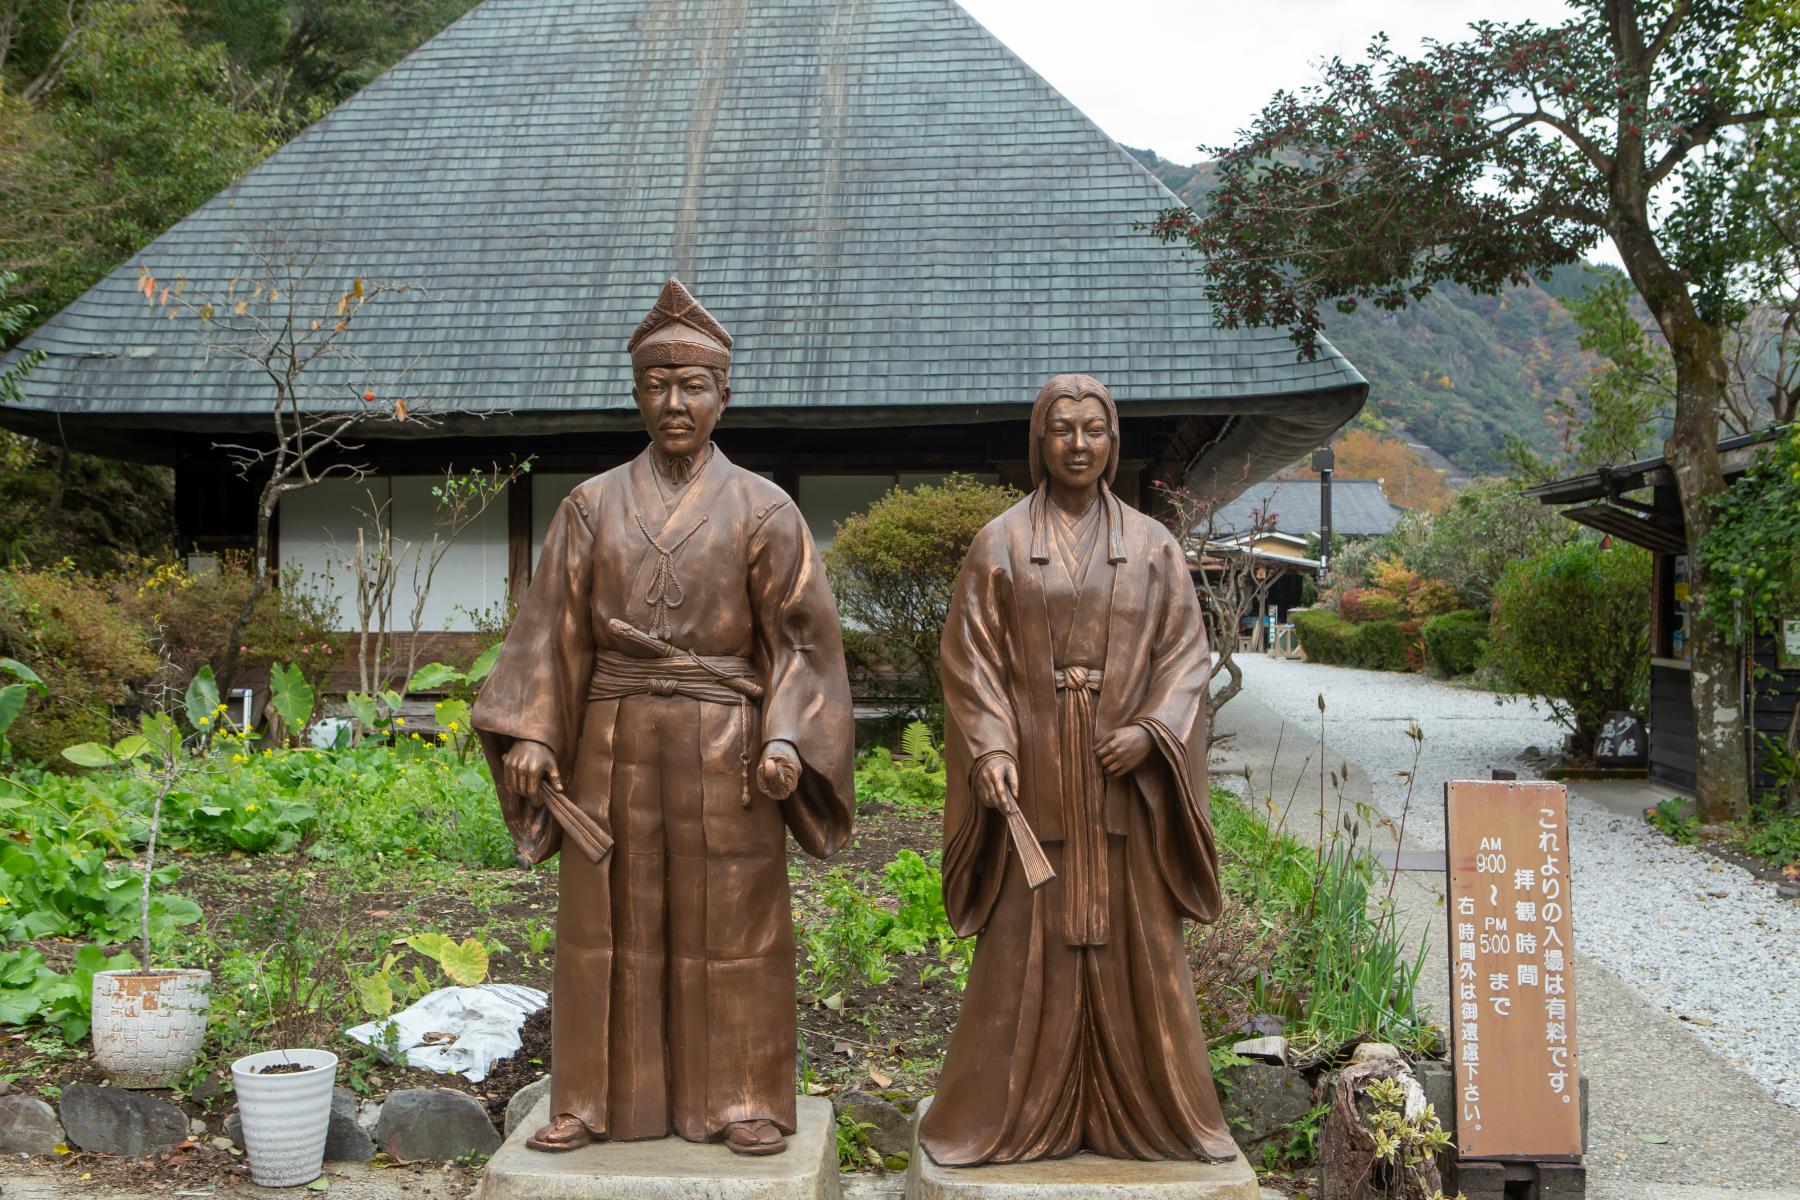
680,406
1077,442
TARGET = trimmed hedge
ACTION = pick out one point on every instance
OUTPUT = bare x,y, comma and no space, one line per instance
1328,638
1456,642
1323,634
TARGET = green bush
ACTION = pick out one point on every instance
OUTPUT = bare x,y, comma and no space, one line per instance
1377,646
73,631
1572,628
1456,642
1324,635
893,567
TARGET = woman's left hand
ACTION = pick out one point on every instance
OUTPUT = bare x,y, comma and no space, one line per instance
1123,749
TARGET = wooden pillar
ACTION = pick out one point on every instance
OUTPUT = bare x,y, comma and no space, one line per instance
518,537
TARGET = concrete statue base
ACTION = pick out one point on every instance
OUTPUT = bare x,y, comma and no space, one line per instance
667,1168
1083,1177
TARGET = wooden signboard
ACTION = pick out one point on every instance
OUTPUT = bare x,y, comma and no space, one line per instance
1512,983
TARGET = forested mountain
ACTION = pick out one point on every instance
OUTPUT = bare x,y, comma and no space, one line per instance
1459,372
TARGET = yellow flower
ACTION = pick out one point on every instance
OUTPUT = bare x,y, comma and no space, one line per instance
4,900
249,808
204,722
239,758
454,726
399,720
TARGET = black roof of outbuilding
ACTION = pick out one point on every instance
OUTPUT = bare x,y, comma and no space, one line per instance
897,219
1359,508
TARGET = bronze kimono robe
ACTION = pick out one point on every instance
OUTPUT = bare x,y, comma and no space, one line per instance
1079,1029
673,997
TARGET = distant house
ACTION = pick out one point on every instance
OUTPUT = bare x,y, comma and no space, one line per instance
905,229
1278,521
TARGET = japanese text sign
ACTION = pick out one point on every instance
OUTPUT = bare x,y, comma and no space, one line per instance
1512,983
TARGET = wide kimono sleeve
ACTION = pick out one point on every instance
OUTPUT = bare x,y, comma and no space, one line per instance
538,689
1173,781
979,721
800,656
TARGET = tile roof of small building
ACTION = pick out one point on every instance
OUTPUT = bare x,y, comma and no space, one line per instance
888,210
1358,508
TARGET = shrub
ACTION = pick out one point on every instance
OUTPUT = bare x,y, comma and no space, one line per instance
1324,636
90,653
1393,577
1370,604
1572,628
1377,646
1456,642
893,567
1490,524
1431,598
194,611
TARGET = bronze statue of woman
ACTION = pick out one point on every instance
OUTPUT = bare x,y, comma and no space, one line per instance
1075,669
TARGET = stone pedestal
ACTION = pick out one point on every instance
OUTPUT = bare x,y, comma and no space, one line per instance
667,1168
1083,1177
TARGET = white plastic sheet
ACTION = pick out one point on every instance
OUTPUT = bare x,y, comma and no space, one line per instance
457,1030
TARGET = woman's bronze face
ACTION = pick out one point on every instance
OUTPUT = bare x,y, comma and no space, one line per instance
1077,441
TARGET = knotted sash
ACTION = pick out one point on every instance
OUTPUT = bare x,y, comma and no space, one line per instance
619,675
1084,797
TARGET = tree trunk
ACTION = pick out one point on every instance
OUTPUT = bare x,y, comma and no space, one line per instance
259,584
1721,782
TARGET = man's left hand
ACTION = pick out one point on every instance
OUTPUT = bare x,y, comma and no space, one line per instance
779,773
1123,749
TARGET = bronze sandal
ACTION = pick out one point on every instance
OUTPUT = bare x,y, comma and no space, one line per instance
566,1131
754,1138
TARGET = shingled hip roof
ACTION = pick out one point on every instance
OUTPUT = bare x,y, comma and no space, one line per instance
896,218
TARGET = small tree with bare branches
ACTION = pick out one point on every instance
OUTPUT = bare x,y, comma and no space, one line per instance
288,325
1232,579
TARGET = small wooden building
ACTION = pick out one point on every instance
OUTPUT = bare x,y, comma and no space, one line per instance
1605,500
905,229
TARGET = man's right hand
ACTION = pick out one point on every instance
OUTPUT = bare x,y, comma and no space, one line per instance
997,783
525,767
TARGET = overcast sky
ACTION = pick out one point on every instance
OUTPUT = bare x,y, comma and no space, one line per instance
1175,74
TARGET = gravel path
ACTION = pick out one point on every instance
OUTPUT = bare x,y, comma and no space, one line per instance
1698,938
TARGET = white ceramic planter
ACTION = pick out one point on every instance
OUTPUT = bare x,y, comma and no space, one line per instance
148,1028
287,1116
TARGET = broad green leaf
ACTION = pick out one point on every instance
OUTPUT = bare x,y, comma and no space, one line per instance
362,707
12,703
431,945
466,963
130,747
202,699
392,699
90,754
374,995
432,675
19,670
484,665
177,910
452,713
292,697
160,730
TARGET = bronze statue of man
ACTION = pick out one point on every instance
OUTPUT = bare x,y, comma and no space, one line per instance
675,673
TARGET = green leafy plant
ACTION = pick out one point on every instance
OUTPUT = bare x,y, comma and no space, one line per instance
1672,818
13,697
1456,642
892,569
914,782
853,1150
464,963
1571,628
32,993
293,697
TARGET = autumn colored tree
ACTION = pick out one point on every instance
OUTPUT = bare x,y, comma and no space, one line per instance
1406,478
1664,125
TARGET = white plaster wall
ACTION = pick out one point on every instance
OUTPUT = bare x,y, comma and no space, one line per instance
318,536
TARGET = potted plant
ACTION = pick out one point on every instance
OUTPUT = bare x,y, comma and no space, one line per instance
284,1102
148,1023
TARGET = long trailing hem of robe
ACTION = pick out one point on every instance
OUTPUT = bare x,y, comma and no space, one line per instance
1063,1047
673,996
